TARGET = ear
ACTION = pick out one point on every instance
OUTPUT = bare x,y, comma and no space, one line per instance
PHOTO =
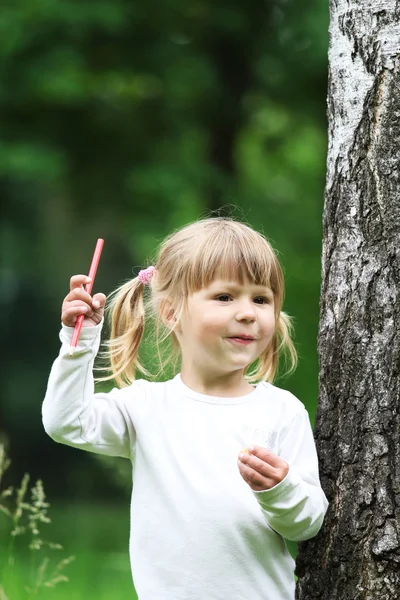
168,315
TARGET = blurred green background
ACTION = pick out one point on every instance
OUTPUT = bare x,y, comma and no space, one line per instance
125,119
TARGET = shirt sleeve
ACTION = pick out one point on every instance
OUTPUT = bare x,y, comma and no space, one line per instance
74,415
295,507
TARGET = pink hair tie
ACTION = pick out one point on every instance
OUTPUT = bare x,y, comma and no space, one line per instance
146,275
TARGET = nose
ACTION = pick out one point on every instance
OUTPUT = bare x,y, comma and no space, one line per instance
245,311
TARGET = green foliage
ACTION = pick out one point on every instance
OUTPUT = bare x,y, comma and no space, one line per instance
125,119
26,518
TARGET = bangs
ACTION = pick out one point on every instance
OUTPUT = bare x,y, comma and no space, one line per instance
233,254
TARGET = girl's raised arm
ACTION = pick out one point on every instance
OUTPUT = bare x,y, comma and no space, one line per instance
72,413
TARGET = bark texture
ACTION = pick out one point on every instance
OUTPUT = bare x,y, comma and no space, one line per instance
357,554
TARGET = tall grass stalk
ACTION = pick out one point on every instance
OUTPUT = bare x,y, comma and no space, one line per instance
26,518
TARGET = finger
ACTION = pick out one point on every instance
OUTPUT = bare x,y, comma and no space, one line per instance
77,281
70,314
76,305
80,294
77,302
266,456
254,479
256,464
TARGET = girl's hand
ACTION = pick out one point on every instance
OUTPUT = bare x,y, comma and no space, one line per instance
79,302
261,469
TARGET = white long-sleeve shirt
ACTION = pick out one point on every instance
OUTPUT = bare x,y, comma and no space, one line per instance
197,529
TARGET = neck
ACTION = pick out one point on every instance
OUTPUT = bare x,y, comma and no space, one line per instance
223,385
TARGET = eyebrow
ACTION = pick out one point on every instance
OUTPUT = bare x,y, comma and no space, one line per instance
232,285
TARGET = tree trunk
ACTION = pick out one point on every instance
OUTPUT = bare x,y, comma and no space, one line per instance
357,554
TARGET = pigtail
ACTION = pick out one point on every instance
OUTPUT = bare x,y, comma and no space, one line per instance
126,317
284,330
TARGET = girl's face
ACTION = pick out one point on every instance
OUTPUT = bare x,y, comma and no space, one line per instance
226,327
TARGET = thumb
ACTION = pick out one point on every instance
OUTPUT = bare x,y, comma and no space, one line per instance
98,301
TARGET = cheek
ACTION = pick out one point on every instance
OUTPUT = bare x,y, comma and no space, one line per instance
208,328
268,324
213,323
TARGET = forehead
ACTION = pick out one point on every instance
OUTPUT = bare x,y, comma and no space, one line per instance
234,285
235,259
235,274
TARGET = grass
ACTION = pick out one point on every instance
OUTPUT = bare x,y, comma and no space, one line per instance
38,546
98,538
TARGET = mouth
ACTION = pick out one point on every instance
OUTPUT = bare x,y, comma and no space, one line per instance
242,339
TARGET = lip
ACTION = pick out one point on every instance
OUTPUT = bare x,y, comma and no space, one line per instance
244,340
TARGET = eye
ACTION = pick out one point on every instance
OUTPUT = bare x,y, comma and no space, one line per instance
224,298
262,300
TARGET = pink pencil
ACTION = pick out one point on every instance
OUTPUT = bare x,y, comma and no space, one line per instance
88,288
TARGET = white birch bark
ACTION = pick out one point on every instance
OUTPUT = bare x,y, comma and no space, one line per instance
356,556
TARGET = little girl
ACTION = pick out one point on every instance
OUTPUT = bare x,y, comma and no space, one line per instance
224,463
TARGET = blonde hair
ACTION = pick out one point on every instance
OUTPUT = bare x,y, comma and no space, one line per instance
188,260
